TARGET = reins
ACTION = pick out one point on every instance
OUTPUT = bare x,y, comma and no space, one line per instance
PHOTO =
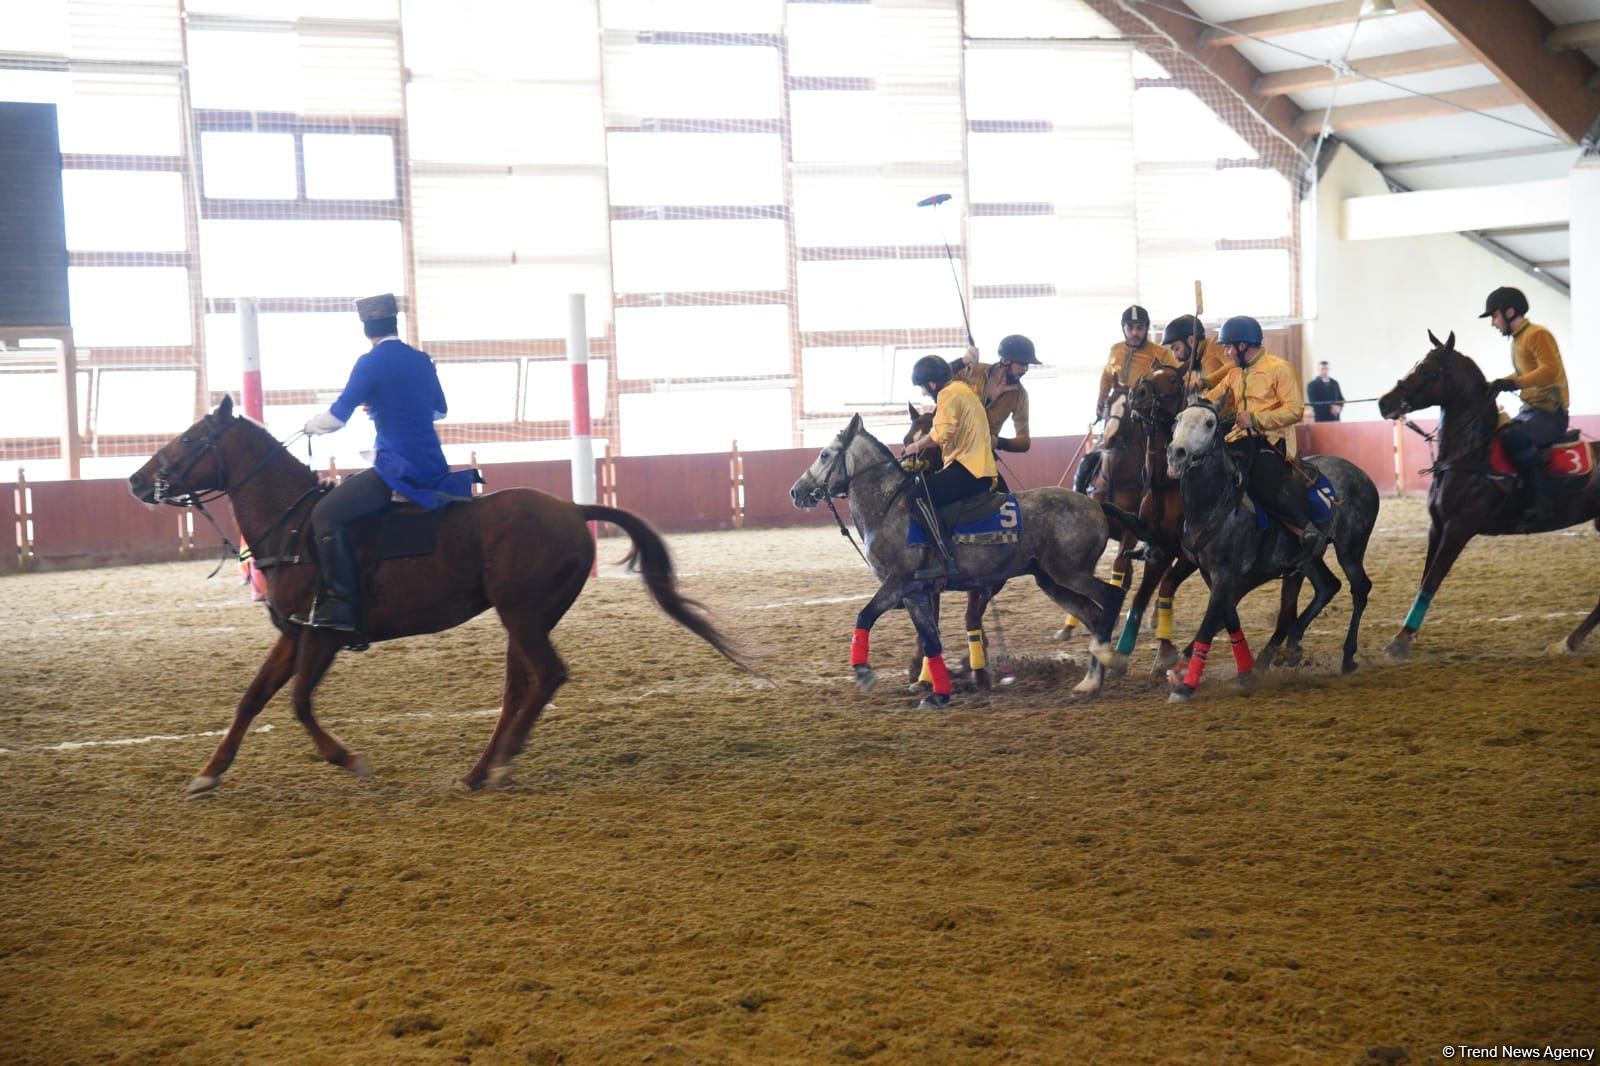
844,460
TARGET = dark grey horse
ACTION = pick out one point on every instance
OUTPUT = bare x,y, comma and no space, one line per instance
1063,534
1235,556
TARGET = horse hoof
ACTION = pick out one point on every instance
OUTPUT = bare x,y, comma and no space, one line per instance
1088,686
497,777
1245,682
358,764
1292,655
865,677
934,701
1066,633
1397,649
1349,667
1559,648
202,784
980,679
1175,673
1105,653
1117,665
1181,694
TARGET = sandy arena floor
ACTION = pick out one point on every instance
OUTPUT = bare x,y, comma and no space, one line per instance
689,866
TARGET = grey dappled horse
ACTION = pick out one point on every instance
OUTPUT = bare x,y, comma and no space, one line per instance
1063,535
1235,556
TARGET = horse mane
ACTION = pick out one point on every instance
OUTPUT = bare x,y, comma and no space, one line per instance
254,429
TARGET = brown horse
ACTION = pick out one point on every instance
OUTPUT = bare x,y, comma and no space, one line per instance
1119,481
1467,497
977,599
524,553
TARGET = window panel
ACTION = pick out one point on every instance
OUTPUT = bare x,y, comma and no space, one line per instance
869,294
243,71
1087,170
349,167
248,258
1251,282
553,40
144,401
248,166
1173,124
699,256
721,16
32,405
1054,84
668,342
690,81
696,168
850,210
835,127
298,350
1251,203
676,423
505,303
111,210
34,27
122,306
348,72
833,40
465,122
548,390
1035,18
480,392
122,115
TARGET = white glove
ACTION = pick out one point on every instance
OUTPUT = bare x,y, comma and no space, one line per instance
323,422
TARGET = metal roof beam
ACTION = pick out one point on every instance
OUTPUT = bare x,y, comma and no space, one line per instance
1508,37
1324,75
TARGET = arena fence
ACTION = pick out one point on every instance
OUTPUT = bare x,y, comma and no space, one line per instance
87,523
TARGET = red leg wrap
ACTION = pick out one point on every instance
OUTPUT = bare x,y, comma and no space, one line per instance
1197,665
941,675
858,647
1243,661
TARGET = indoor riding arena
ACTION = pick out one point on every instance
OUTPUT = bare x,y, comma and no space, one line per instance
290,773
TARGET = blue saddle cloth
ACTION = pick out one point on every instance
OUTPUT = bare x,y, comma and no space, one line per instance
1002,527
1320,499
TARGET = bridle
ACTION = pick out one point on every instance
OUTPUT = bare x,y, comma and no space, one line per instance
842,459
1213,521
170,488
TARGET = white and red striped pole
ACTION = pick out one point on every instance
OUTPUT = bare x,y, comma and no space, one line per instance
253,401
582,427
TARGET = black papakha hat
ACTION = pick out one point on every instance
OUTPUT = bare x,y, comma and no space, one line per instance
372,308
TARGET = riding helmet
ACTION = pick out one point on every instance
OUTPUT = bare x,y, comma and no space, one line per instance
1018,349
930,370
1183,328
1503,297
1240,329
1136,314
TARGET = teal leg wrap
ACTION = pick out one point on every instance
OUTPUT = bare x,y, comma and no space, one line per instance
1419,609
1130,633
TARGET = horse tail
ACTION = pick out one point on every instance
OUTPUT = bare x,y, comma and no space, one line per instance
650,557
1124,522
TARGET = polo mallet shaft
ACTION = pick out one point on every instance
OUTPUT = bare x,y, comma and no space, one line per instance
934,201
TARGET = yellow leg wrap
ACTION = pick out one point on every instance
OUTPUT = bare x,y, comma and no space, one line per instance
1163,619
1070,623
926,675
1116,580
975,649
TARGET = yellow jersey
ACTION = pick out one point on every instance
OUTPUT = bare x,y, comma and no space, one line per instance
961,430
1540,373
1269,391
1129,368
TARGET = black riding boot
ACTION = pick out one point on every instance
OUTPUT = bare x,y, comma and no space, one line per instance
338,602
1088,470
946,567
1538,481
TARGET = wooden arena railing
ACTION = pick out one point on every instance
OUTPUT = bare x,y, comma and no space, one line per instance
97,523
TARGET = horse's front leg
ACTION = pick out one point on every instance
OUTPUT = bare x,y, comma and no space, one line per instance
1452,540
1220,605
888,596
1288,608
273,675
977,650
1243,663
1166,651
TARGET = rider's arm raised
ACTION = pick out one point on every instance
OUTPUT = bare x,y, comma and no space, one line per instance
1021,442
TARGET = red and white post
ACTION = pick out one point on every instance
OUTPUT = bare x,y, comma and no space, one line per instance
253,401
582,427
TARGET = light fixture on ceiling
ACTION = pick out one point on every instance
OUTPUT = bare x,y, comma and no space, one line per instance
1371,9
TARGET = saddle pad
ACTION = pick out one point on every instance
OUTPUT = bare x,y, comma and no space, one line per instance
1003,526
1562,460
396,532
1320,501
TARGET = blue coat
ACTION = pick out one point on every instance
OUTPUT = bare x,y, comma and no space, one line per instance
401,386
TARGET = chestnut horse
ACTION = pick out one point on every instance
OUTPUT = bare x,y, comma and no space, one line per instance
524,553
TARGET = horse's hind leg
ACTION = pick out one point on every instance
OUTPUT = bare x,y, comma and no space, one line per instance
545,674
315,654
1288,607
1166,651
977,651
516,690
1360,586
1576,637
1090,611
272,676
1149,581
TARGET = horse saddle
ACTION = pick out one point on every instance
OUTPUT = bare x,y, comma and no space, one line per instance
988,518
400,529
1566,458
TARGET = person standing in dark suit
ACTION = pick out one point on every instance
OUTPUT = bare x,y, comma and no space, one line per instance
1323,395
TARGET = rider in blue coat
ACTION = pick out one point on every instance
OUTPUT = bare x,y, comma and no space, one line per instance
400,387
